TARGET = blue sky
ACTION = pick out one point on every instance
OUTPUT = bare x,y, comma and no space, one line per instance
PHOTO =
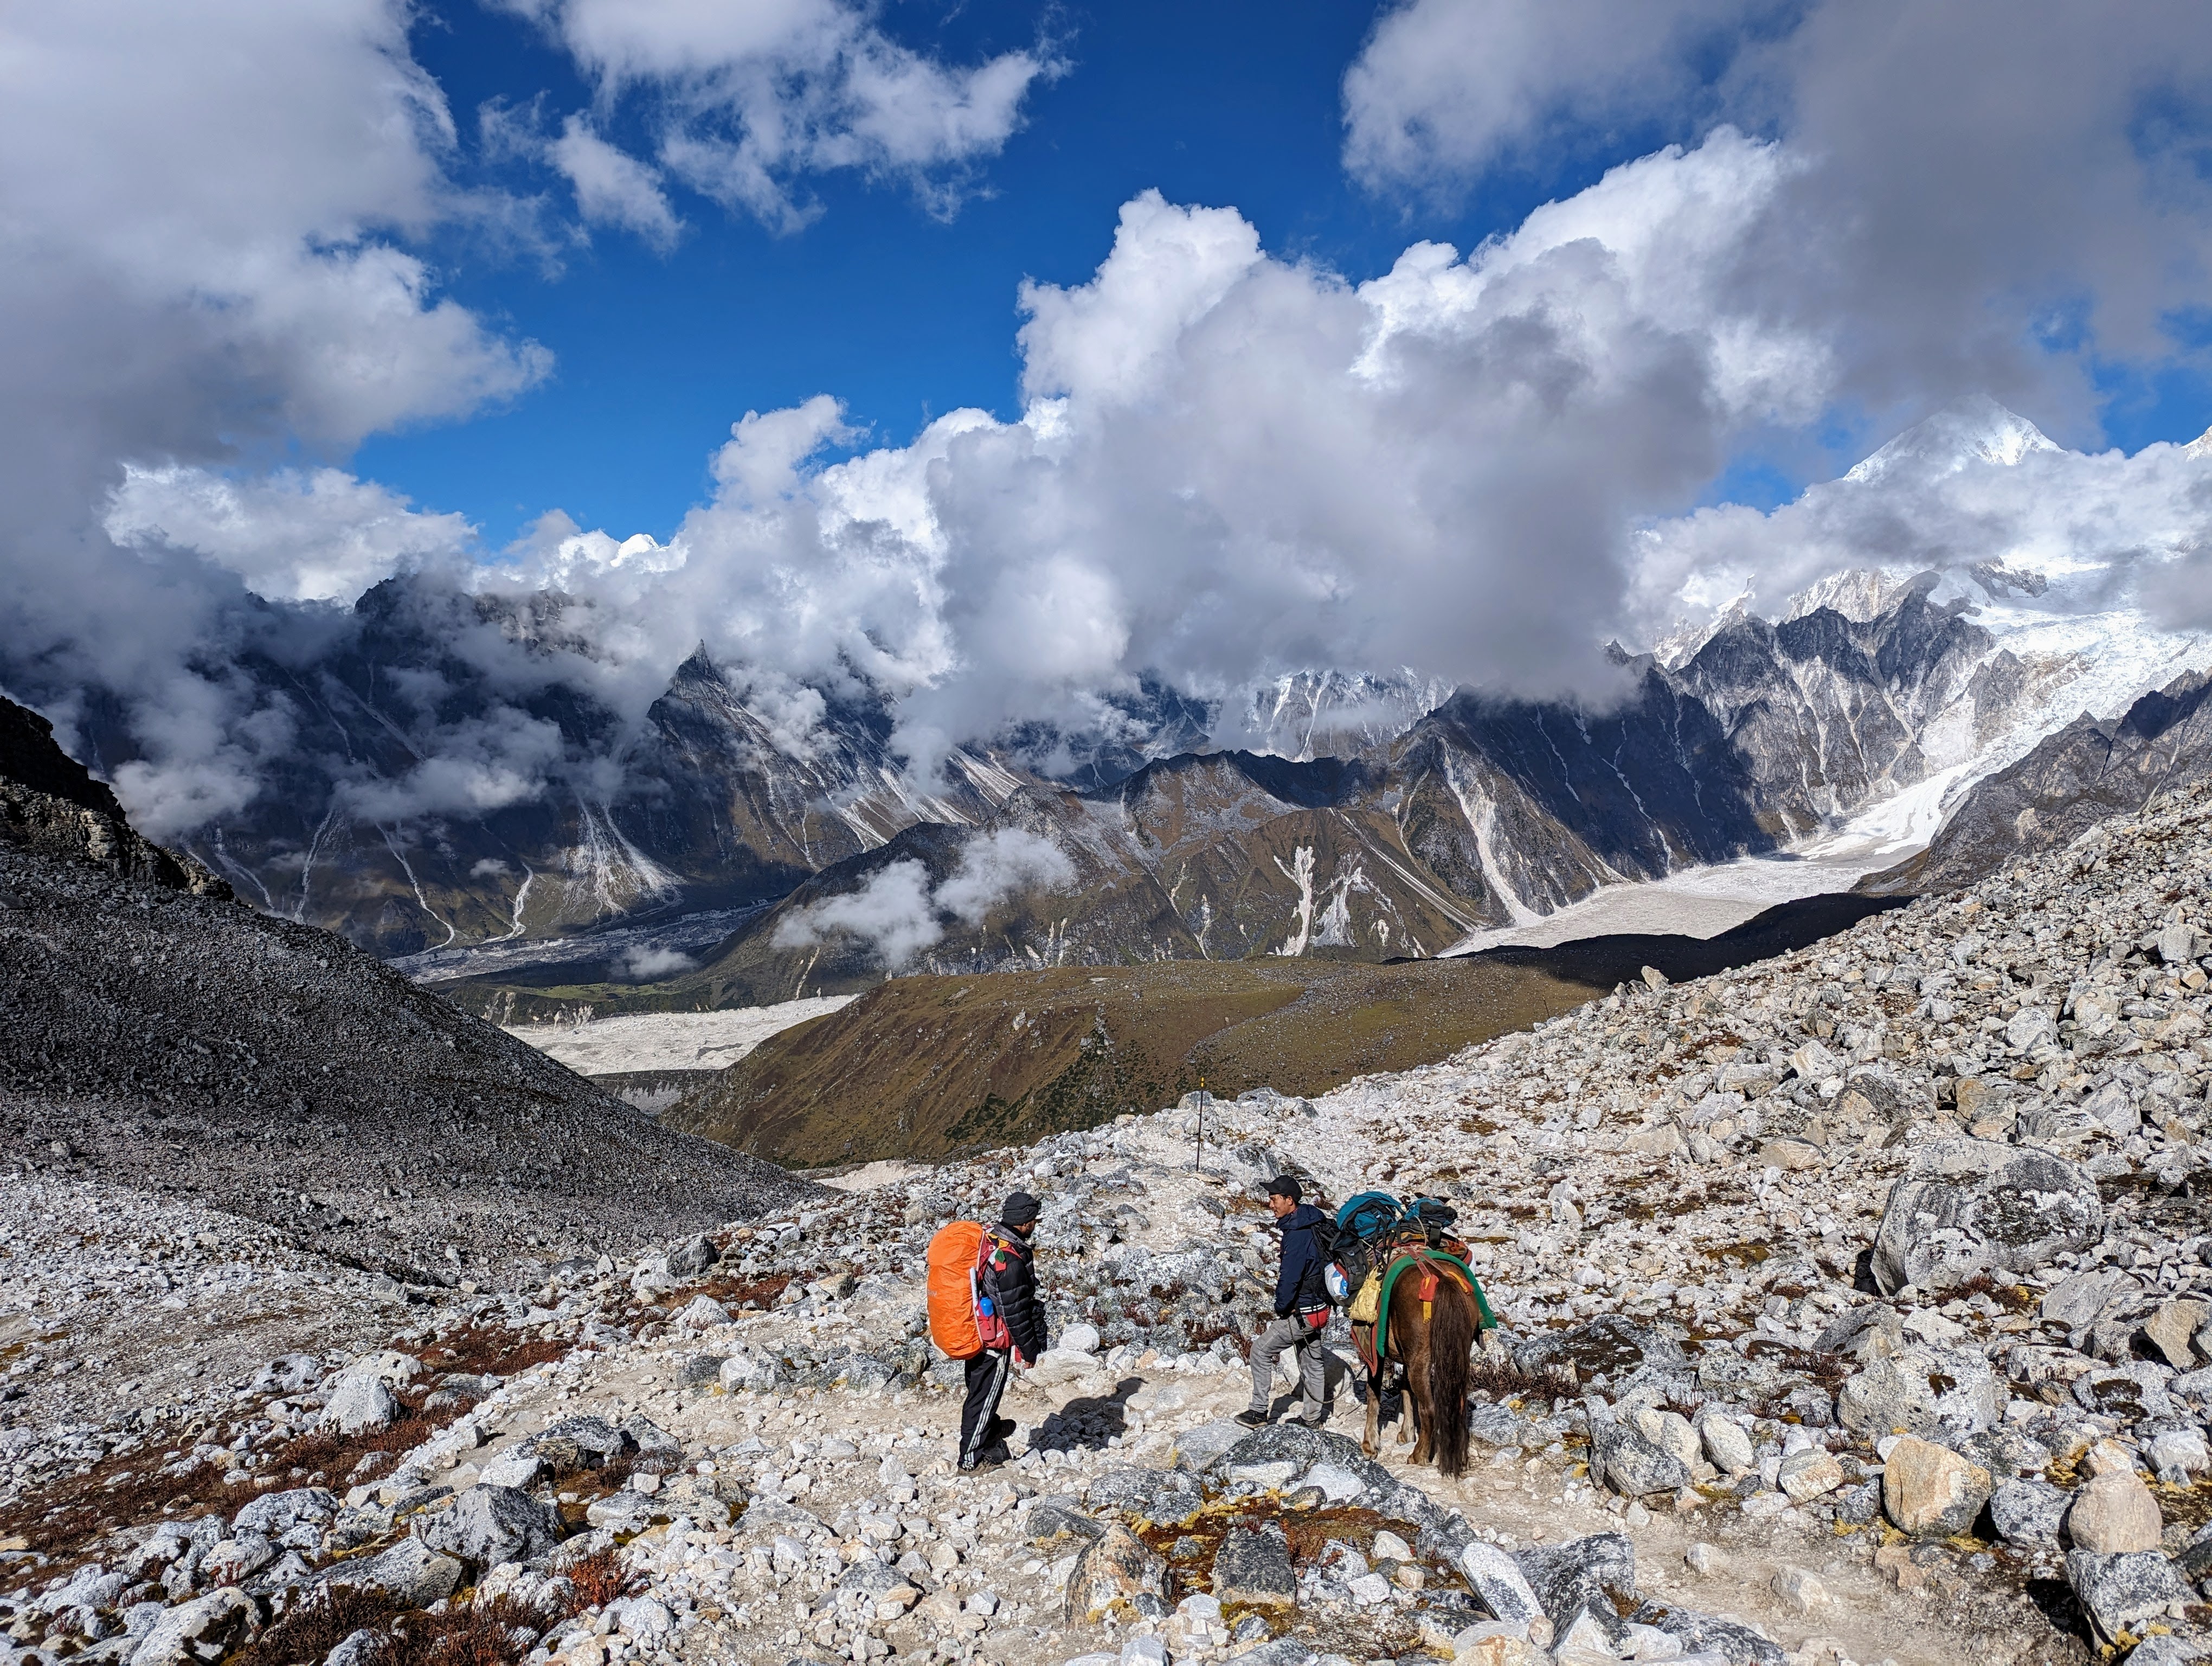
902,313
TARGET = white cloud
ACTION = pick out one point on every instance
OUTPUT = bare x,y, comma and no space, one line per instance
1000,864
1114,337
481,764
891,913
613,188
898,914
1972,486
1445,88
648,962
747,97
321,535
1984,196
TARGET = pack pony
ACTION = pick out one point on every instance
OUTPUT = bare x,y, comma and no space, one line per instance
1432,1325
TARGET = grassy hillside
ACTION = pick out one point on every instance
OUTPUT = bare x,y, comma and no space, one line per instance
921,1067
924,1066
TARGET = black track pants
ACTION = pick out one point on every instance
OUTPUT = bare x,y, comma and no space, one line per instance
987,1381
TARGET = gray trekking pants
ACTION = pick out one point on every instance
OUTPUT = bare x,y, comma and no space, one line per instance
1302,1341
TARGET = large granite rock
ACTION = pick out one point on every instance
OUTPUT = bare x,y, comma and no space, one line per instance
1931,1492
1633,1463
1592,1576
2114,1514
2121,1593
1973,1205
1919,1390
485,1526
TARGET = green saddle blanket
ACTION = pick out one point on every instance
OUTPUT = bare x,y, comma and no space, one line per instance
1488,1320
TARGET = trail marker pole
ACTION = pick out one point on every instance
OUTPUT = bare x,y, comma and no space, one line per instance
1198,1127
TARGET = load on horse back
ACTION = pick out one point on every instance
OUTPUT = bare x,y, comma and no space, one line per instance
1416,1309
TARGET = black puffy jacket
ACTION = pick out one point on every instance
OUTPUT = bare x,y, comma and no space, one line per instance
1010,1281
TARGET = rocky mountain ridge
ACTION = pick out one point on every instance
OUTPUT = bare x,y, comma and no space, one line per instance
1466,810
1485,812
2084,773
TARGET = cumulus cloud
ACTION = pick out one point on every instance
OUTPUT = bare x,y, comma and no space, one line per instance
317,535
746,99
1231,465
613,188
647,961
1988,197
898,914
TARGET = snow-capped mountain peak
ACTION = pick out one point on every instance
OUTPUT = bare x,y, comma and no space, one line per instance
1972,429
1859,594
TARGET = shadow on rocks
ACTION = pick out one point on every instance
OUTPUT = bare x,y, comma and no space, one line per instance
1088,1421
2055,1600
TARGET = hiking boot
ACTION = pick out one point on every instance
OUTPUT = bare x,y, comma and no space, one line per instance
1252,1420
1002,1428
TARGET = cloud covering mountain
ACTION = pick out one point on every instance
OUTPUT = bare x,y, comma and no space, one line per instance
1227,465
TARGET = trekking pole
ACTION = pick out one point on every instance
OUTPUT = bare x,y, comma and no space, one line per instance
1198,1128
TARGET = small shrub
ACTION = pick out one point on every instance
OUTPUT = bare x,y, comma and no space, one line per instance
312,1628
499,1632
604,1576
496,1350
733,1292
1504,1380
1202,1335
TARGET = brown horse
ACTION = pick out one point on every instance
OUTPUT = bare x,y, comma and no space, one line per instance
1429,1342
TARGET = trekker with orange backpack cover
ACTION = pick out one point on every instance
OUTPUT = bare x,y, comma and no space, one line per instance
984,1310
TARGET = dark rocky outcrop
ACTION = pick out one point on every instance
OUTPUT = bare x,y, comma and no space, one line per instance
51,804
176,1041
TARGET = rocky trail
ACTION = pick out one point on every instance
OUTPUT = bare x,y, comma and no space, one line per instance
1854,1309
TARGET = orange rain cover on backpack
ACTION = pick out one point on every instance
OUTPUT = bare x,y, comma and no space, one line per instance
952,1255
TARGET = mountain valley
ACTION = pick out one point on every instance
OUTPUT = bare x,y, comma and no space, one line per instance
460,794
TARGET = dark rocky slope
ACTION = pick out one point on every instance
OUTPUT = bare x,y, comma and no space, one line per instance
179,1043
51,804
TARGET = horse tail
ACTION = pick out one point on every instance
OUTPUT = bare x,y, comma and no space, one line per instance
1451,1338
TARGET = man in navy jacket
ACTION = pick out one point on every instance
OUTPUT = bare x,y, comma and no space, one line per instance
1301,1309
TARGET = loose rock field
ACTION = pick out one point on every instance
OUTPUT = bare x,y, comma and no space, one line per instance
1855,1309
